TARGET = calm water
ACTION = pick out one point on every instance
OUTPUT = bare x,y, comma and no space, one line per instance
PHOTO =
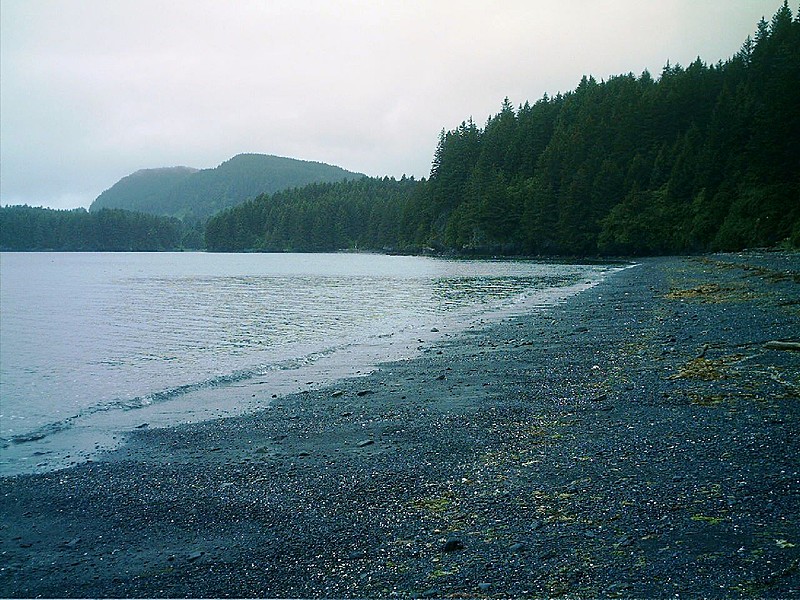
95,344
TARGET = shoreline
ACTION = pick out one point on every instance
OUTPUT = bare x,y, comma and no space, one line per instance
90,429
636,440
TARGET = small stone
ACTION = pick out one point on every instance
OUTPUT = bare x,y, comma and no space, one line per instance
452,545
73,542
364,393
337,393
364,443
484,586
441,378
434,330
143,426
518,547
195,555
357,554
625,541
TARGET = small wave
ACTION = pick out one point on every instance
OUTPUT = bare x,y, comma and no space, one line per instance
162,396
42,432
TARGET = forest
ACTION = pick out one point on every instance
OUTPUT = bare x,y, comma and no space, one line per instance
704,157
194,195
700,158
107,230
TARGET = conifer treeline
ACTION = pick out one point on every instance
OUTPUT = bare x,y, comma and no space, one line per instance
362,213
107,230
705,157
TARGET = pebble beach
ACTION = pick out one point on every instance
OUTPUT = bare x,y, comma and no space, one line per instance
639,439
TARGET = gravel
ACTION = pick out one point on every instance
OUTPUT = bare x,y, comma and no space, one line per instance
638,440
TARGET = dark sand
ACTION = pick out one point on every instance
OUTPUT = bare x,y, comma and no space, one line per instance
637,441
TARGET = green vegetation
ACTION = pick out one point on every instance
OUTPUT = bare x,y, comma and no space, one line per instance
193,195
27,228
364,213
701,158
704,158
143,191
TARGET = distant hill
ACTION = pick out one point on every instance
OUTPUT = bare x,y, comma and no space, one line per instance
190,194
144,190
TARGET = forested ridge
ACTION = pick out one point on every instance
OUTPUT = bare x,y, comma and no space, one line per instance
704,157
194,195
107,230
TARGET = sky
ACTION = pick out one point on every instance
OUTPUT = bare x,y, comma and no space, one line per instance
93,90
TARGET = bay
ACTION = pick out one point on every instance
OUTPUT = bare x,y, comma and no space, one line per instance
93,345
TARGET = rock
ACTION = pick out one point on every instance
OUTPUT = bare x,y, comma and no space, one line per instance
364,443
337,393
776,345
357,554
518,547
143,426
453,545
364,393
73,542
624,541
434,330
484,586
441,378
195,555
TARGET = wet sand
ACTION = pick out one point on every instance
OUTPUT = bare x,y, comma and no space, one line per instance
639,440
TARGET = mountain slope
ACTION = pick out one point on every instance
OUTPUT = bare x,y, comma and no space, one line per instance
190,194
143,190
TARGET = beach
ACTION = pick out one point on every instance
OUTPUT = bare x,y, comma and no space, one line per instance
639,439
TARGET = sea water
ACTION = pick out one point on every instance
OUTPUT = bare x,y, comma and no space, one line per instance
94,345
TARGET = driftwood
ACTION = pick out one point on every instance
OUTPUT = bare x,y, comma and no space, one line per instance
783,346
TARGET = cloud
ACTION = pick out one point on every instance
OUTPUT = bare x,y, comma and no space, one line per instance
95,89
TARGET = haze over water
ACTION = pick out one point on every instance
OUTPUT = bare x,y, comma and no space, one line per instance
96,344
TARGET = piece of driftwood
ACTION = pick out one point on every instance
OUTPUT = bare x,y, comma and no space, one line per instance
783,346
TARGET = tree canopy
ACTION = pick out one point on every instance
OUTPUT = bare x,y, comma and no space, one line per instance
704,157
27,228
193,195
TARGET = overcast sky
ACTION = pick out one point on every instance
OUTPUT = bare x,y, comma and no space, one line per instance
92,90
